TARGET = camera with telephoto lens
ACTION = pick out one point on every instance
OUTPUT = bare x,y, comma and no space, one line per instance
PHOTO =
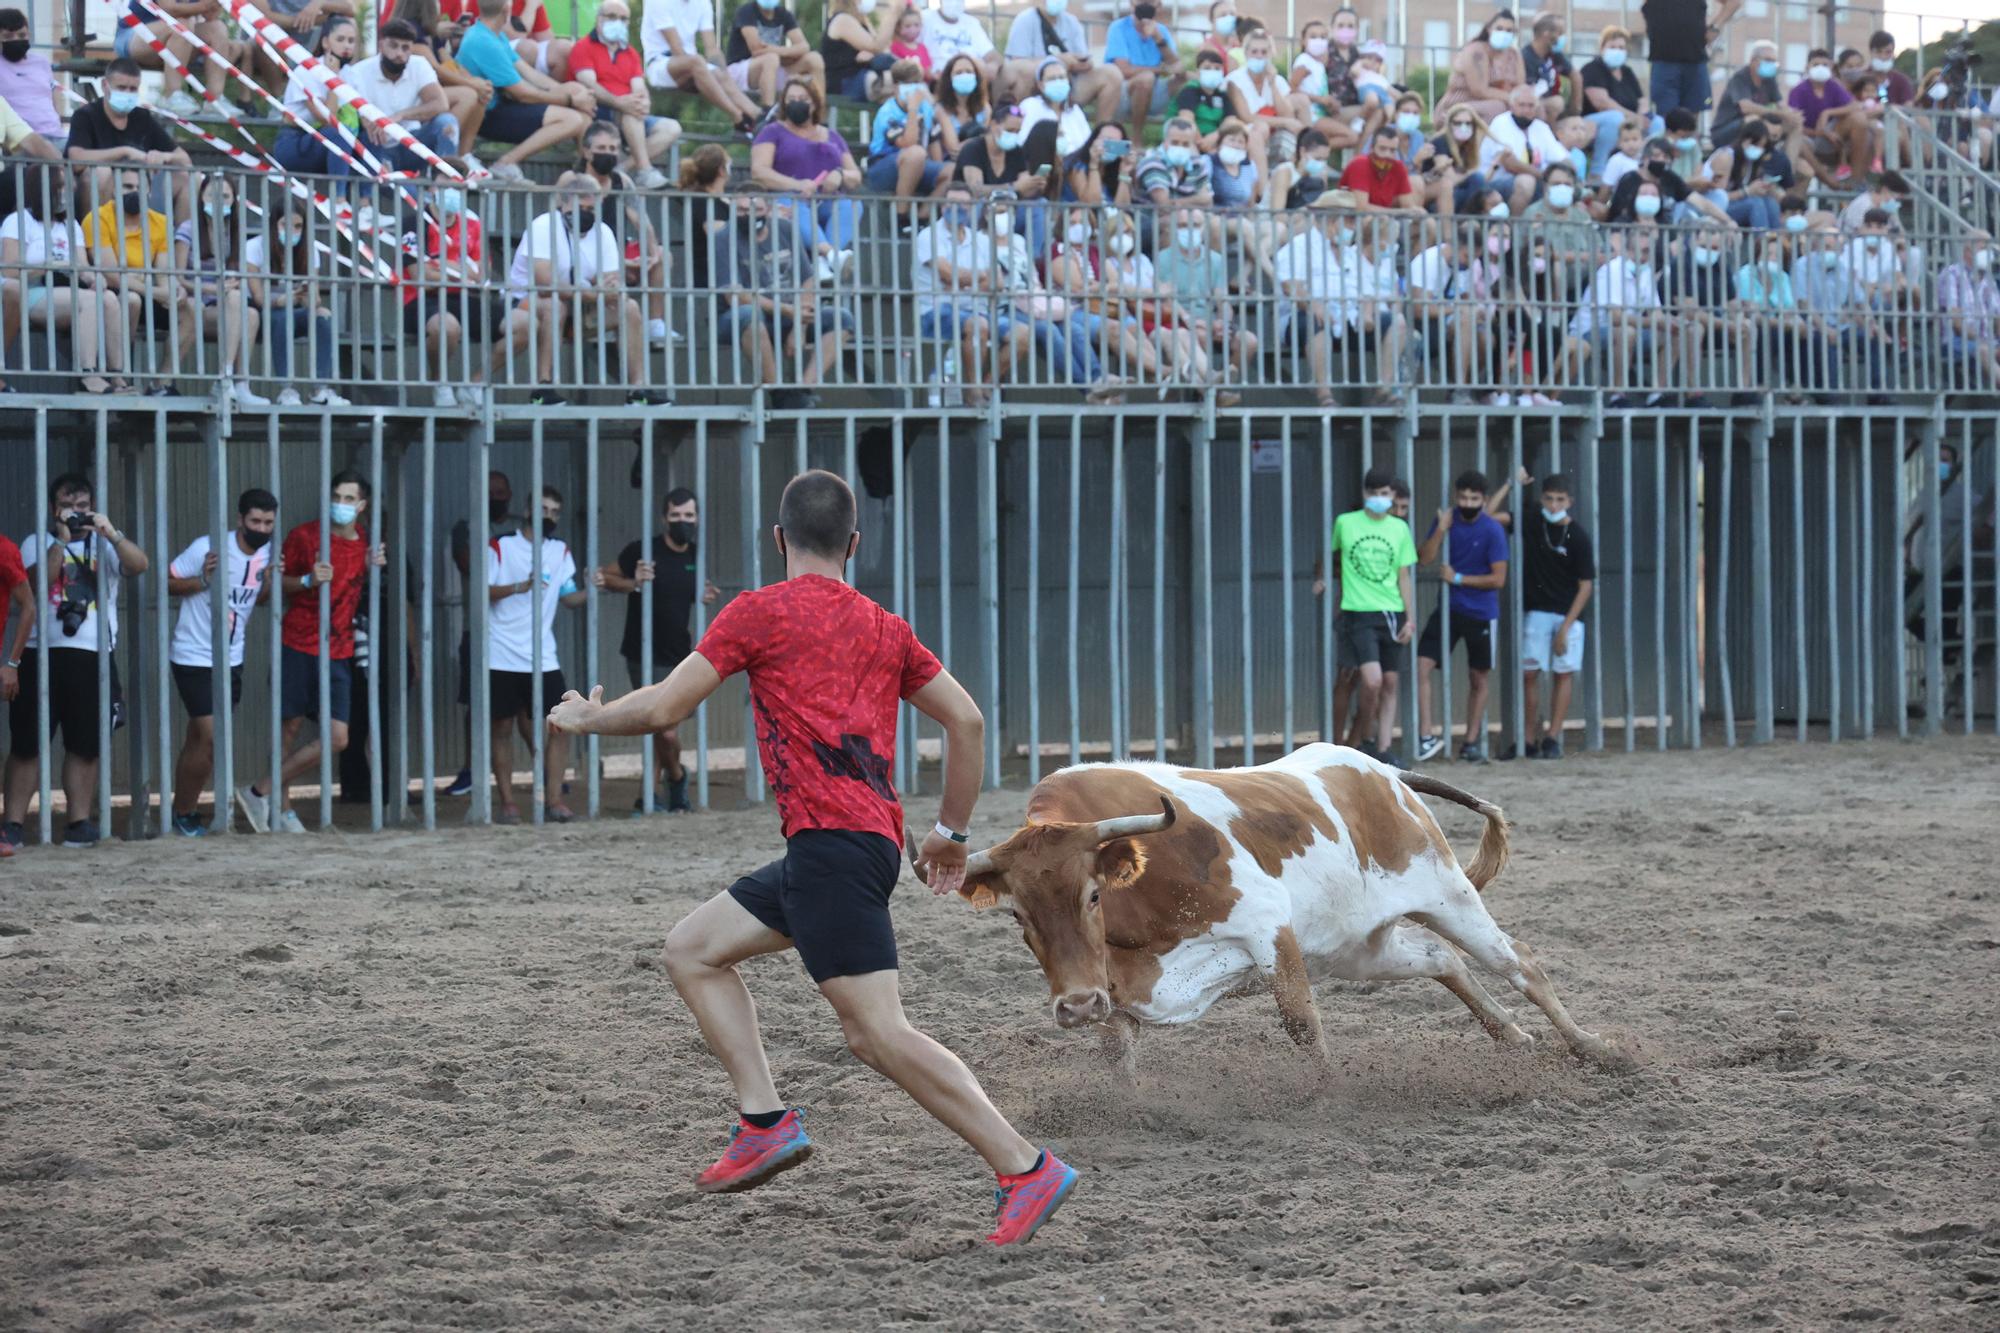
79,591
1958,63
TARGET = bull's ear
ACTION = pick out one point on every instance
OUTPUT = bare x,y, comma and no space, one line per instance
982,891
1120,863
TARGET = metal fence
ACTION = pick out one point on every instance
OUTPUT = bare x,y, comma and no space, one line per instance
1124,582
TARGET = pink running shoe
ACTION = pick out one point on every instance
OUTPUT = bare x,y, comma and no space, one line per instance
755,1155
1024,1202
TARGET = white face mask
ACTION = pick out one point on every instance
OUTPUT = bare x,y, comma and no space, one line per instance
1499,210
1882,66
1615,58
1500,41
1752,152
1230,155
1706,258
1462,133
614,31
1003,224
1820,73
1982,260
1561,196
1316,47
1939,92
1122,244
1189,238
1647,205
1078,233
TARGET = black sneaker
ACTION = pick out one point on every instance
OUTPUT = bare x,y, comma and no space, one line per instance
647,398
188,826
547,398
1550,748
1391,758
13,835
82,833
1471,754
1513,752
677,797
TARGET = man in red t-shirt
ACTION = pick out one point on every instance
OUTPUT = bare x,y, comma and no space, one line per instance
20,606
1381,175
607,63
827,670
345,578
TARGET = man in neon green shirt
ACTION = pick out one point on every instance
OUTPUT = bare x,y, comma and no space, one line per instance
1374,557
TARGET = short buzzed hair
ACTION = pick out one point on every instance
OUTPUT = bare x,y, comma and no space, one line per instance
817,514
256,498
1377,478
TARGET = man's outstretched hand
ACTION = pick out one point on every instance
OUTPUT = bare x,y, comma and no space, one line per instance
942,862
574,713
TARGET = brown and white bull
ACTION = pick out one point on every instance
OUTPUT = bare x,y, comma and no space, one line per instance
1148,892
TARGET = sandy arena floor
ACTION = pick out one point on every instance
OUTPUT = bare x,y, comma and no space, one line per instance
425,1081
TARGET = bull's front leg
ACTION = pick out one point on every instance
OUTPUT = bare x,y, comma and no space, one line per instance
1296,1009
1119,1035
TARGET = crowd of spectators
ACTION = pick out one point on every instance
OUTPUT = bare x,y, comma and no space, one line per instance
1126,215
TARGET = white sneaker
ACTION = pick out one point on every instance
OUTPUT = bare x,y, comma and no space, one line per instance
656,330
241,394
289,397
507,172
442,396
288,822
182,105
256,809
365,220
471,395
836,268
325,397
652,178
1499,400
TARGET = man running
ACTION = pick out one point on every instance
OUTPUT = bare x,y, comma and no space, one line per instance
827,670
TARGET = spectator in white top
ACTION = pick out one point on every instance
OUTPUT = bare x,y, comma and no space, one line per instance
92,557
569,265
950,32
511,631
1264,102
954,279
1519,147
1051,32
191,577
682,51
407,91
1874,269
1056,101
42,269
1621,312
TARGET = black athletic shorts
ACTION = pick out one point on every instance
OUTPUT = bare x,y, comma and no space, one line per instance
830,897
1476,635
72,703
196,685
1370,636
514,691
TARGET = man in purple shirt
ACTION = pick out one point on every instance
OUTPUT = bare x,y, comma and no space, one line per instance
1475,568
1839,131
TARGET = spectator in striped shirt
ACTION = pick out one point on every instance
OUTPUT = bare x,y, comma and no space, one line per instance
1968,299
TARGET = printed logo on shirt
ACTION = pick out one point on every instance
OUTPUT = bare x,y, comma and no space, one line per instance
856,759
1373,558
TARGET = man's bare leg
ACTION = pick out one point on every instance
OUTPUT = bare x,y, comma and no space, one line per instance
702,953
871,1016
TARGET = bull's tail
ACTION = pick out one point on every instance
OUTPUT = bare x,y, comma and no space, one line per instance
1494,847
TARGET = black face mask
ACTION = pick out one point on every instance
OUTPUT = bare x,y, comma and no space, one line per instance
15,50
604,163
681,534
496,509
1470,515
798,112
548,528
586,220
133,202
1523,121
393,69
254,540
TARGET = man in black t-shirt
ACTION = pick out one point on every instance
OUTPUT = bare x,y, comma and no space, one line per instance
767,50
1678,33
1561,566
670,567
116,131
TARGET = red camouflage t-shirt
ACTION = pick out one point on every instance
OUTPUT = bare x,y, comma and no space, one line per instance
12,571
827,670
350,570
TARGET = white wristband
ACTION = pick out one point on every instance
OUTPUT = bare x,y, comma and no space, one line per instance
948,834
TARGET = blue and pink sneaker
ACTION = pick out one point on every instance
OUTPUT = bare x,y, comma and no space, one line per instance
755,1155
1026,1201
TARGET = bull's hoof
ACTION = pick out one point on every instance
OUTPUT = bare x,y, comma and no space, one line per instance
1513,1035
1604,1054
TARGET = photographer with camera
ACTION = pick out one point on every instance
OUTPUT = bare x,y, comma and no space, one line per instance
89,556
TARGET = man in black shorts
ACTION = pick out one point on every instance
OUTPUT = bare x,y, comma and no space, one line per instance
670,567
1475,567
828,669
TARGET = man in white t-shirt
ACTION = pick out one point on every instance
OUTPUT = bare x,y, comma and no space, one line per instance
954,277
191,576
1519,146
682,51
950,32
569,266
511,632
405,90
89,557
1621,312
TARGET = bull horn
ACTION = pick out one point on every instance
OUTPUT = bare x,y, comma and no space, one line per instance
1132,826
978,863
910,850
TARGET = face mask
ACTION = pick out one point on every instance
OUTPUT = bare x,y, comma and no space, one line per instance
393,69
253,541
1377,505
1882,66
15,51
451,202
1647,205
1500,41
1121,245
1554,515
1795,222
1210,78
586,221
1470,514
1561,196
767,5
797,111
1982,260
1003,224
1057,7
1496,246
1752,152
1939,92
681,533
293,235
1944,472
606,163
1462,133
1177,155
1010,140
1343,236
1316,47
342,514
1767,69
1190,238
1055,92
1230,155
1408,122
1257,64
1614,58
965,85
1345,35
1687,145
1893,207
1829,260
1078,233
123,103
133,202
1562,43
1539,264
1314,166
1706,258
950,10
496,509
1872,243
1499,210
906,91
1225,25
1820,73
